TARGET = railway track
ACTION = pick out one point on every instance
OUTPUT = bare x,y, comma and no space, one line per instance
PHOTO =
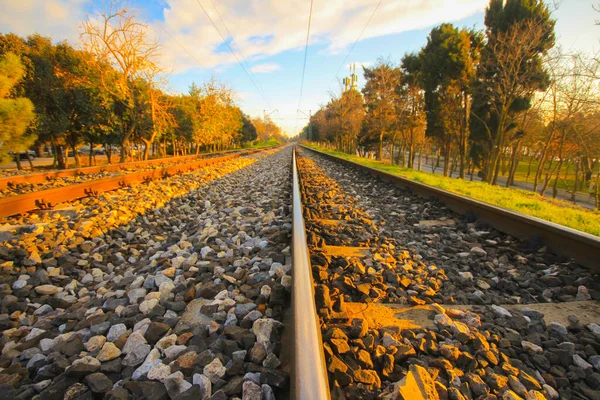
121,176
415,301
35,179
182,288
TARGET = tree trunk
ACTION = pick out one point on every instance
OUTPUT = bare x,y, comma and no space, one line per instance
108,151
496,172
18,160
529,169
573,193
435,165
61,157
125,142
542,161
554,190
147,144
411,150
446,160
514,163
91,155
76,157
597,189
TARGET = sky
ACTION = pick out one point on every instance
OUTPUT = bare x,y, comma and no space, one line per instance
268,38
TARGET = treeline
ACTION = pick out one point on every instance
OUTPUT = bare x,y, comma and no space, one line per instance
472,102
113,93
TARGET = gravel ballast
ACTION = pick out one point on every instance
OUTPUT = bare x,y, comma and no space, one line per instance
171,289
418,253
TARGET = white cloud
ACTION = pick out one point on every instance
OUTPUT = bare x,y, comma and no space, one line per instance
265,68
260,28
59,19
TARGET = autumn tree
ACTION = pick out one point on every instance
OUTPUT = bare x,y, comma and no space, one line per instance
345,115
381,96
569,105
16,114
116,37
266,129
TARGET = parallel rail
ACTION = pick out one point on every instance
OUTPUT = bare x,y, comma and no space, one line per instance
582,247
47,199
43,177
309,373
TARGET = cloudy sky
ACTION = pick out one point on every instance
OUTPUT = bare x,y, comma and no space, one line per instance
269,36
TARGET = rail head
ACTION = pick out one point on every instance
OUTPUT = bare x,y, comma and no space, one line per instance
310,374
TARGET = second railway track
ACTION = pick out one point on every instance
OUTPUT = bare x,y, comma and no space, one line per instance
47,195
415,301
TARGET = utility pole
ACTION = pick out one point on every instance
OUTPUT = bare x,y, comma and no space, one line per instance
309,123
266,124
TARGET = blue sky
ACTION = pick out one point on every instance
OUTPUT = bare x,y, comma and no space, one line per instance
271,34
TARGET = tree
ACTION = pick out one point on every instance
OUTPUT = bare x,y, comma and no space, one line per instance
345,115
448,67
519,33
153,107
16,114
216,119
411,106
381,96
248,130
115,37
266,129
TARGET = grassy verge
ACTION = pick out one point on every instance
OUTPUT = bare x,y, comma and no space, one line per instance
566,181
260,144
529,203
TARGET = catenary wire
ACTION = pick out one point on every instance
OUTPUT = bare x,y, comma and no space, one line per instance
241,53
357,40
233,53
304,66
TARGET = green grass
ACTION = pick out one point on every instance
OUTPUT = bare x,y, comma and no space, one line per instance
529,203
564,182
259,144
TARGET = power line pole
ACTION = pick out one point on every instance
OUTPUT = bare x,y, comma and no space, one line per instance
309,123
265,119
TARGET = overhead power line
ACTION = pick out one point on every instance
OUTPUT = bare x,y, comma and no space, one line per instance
241,53
234,55
304,66
357,40
305,53
183,47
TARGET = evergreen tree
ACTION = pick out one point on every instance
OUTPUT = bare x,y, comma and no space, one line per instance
16,114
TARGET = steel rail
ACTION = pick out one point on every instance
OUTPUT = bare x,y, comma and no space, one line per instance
583,247
47,199
43,177
310,373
